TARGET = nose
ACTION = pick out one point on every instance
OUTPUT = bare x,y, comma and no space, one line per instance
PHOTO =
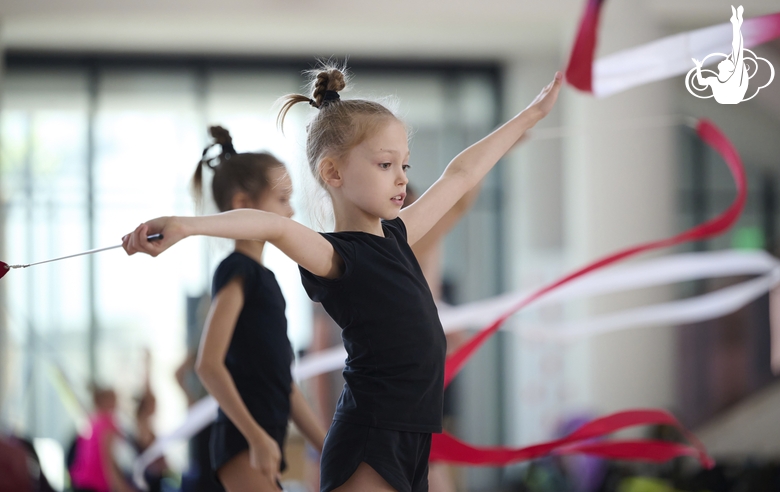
402,178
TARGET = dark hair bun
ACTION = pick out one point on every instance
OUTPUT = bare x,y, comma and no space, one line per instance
221,136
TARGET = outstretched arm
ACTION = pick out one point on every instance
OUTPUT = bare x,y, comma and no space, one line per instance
304,246
471,165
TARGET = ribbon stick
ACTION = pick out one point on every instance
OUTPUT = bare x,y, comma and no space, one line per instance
658,60
5,267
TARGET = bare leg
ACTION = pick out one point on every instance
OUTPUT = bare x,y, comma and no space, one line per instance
365,479
237,475
439,479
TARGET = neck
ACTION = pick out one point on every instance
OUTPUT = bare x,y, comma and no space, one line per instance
253,249
350,218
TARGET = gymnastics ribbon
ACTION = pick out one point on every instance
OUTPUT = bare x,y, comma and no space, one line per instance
657,60
443,446
657,271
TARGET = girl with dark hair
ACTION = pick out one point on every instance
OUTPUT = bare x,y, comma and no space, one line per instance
245,356
367,277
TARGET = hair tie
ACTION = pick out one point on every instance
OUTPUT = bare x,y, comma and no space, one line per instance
327,98
227,148
213,162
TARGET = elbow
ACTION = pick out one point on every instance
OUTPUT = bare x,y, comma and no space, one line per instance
205,370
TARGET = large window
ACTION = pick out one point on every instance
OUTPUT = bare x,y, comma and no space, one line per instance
93,146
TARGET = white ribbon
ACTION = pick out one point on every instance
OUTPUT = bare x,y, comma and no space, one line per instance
671,56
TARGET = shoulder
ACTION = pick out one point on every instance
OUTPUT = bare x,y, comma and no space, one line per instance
396,226
231,262
235,265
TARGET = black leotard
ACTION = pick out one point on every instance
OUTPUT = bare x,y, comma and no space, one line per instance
391,330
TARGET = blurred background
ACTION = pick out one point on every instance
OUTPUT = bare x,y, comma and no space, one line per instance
104,107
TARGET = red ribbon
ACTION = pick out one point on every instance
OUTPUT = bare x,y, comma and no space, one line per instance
579,73
447,448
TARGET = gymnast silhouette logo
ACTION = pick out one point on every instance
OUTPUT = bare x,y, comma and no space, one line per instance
730,84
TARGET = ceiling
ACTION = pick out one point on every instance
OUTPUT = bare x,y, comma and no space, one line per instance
488,30
419,28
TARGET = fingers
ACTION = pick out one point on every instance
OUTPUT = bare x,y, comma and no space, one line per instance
136,242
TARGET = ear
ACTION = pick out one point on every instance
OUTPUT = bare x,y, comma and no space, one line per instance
240,200
329,172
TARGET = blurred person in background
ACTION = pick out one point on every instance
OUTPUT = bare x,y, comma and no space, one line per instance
146,407
14,471
198,476
94,468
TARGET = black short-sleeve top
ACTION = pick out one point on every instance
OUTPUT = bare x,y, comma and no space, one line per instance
260,354
394,374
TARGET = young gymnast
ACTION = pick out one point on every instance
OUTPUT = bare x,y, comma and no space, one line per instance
245,356
366,276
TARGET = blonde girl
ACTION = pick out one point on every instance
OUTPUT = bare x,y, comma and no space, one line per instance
367,277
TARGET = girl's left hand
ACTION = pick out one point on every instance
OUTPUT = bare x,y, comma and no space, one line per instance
545,101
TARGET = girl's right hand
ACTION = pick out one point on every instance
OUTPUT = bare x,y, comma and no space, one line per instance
170,227
265,456
545,101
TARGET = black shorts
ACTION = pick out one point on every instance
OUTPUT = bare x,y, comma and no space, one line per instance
401,458
227,441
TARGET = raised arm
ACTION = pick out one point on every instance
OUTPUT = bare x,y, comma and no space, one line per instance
303,245
434,236
471,165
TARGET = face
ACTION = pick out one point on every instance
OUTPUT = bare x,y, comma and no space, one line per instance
276,198
106,401
373,173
